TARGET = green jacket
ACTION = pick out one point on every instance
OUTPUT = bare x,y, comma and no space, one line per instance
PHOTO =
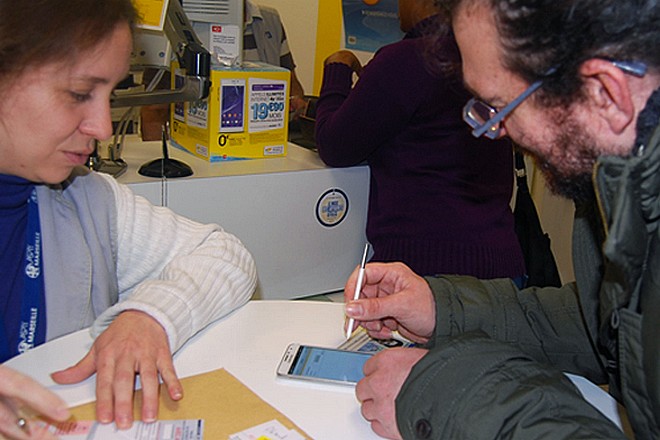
494,369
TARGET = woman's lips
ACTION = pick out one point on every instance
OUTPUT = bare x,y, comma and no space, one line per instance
77,158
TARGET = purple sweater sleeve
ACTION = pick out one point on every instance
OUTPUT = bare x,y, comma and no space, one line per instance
438,198
351,124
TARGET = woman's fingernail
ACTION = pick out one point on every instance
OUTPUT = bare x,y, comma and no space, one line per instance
149,417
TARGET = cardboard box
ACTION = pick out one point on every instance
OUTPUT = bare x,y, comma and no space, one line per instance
246,115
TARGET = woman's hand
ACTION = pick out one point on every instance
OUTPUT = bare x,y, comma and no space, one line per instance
134,344
345,57
22,398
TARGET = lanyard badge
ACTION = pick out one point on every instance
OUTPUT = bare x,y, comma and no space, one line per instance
32,327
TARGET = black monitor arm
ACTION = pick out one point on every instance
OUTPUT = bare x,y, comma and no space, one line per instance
192,57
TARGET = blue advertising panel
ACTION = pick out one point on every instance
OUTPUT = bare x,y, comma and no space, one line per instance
370,24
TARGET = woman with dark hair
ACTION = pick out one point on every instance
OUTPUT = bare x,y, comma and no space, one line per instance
77,248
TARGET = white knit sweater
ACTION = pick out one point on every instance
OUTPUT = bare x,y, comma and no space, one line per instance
182,273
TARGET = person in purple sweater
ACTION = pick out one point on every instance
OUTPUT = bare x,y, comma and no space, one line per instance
439,198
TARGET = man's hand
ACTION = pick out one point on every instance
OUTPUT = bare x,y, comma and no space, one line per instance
393,298
21,396
133,344
385,374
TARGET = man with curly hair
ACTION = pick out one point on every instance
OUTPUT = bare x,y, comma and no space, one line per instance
576,83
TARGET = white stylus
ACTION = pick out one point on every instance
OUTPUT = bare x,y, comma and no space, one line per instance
358,288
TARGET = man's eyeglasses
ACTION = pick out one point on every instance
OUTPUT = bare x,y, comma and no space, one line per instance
486,120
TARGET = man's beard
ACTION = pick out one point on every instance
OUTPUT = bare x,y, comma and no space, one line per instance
568,172
577,187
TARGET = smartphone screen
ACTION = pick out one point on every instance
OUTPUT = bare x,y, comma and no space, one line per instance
323,364
232,99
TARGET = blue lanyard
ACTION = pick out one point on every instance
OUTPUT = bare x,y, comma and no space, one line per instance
32,327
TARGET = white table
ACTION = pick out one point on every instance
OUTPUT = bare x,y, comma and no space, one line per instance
249,344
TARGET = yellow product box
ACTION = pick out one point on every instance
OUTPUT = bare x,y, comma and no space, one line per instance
246,115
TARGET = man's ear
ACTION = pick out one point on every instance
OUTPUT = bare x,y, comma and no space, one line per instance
608,91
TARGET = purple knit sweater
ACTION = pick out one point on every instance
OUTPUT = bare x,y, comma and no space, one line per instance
439,198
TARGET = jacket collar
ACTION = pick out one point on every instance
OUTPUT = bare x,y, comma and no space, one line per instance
641,168
648,121
628,190
252,12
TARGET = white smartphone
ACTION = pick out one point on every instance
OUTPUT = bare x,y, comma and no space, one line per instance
324,365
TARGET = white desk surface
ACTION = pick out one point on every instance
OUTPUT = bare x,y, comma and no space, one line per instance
249,344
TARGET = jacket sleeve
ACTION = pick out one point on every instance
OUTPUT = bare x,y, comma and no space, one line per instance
182,273
545,323
472,387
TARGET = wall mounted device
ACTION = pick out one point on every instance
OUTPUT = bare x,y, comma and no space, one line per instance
219,25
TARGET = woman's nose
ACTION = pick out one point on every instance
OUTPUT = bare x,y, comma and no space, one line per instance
98,122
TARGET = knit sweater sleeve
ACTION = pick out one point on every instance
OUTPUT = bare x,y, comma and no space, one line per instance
182,273
352,122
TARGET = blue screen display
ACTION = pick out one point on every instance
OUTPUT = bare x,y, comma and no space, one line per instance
330,364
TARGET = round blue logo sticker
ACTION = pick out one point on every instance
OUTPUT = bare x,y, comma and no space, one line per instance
332,207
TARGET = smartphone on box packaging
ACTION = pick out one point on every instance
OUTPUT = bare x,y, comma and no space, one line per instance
232,99
322,365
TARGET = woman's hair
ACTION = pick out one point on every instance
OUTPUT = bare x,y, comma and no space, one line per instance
441,57
34,32
537,35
